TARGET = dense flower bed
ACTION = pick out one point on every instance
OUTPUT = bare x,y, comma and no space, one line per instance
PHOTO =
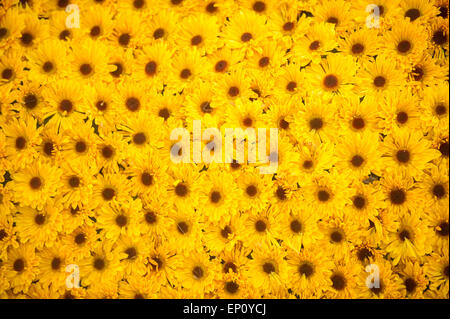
88,186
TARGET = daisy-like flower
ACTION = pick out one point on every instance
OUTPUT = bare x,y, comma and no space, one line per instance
317,41
21,267
436,106
135,288
408,150
38,226
414,280
335,12
52,266
438,223
136,251
119,219
344,274
405,42
102,267
408,240
36,184
268,269
400,192
358,155
309,271
436,270
435,186
200,32
198,272
21,138
380,76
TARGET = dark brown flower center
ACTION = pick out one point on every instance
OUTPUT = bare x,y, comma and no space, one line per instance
444,149
440,109
150,217
56,263
364,254
263,62
306,269
357,48
323,196
95,31
251,190
121,220
138,4
233,91
86,69
19,265
358,123
357,160
48,148
259,6
359,202
47,66
412,14
330,81
80,147
131,252
185,73
336,236
133,104
397,196
64,35
229,266
107,151
7,74
296,226
21,143
379,81
150,68
316,123
307,164
80,239
314,45
74,182
439,191
211,7
402,117
108,193
196,40
246,36
139,138
35,183
404,234
26,39
99,264
146,179
221,66
231,287
333,20
39,219
197,272
226,231
288,26
268,268
182,227
260,226
410,285
291,86
124,39
404,46
215,197
439,37
181,190
403,156
65,106
339,282
158,33
444,229
118,71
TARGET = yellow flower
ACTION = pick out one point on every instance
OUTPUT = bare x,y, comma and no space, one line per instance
408,150
21,267
309,272
408,240
36,184
268,268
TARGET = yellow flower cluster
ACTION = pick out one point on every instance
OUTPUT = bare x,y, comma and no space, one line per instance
90,91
